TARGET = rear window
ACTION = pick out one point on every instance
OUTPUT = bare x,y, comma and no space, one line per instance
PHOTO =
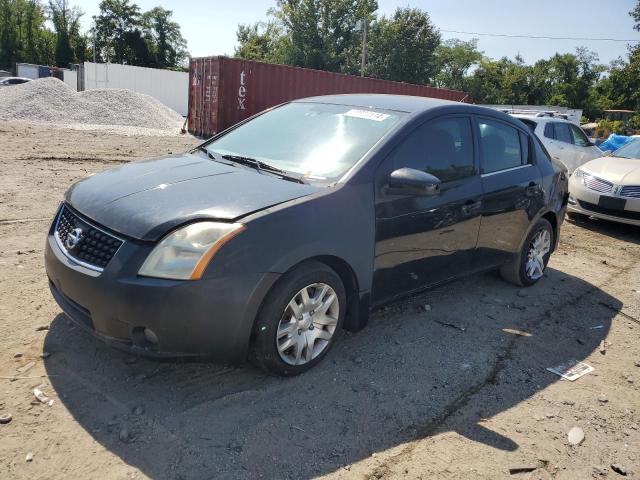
563,133
500,146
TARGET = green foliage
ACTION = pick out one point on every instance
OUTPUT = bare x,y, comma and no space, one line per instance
607,127
23,35
123,34
166,44
66,22
454,58
402,47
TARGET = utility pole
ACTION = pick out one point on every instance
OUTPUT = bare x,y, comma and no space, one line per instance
365,27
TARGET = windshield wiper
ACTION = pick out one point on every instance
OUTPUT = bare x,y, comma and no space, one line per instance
260,165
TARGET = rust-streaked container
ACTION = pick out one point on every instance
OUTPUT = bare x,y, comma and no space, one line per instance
224,91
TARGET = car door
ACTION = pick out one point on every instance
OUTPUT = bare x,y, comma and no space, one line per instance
569,153
584,149
512,189
424,240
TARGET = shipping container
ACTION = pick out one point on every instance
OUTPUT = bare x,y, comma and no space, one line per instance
224,91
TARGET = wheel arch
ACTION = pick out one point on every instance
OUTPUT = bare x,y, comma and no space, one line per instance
552,218
355,307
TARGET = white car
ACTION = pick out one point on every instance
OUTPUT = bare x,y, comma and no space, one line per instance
565,141
8,81
608,187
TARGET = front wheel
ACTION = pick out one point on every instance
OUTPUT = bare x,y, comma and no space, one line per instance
529,265
299,320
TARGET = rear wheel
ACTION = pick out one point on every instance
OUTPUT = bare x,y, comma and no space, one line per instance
300,320
529,265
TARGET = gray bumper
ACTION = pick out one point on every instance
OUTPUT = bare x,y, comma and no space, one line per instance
209,318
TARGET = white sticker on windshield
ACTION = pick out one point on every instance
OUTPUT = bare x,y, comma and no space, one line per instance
367,114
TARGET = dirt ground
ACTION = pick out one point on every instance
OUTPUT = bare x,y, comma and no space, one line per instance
455,390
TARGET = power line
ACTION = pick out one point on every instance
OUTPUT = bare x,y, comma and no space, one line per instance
542,37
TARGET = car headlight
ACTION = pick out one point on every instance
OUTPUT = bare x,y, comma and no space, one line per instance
185,253
580,175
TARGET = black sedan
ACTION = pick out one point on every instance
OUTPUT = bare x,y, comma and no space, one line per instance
272,236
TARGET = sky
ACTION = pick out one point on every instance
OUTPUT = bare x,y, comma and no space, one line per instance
210,26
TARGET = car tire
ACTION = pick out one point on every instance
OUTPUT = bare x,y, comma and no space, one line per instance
285,319
529,265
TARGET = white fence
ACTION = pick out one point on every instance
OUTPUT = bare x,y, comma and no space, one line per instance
71,78
171,88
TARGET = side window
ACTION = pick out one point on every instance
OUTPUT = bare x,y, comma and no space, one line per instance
442,147
563,133
548,131
500,146
578,136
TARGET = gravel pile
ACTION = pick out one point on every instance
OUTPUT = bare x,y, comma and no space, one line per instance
48,100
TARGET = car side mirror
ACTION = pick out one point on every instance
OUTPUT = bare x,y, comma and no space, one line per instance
415,182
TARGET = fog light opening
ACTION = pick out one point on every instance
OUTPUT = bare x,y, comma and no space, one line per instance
150,336
145,337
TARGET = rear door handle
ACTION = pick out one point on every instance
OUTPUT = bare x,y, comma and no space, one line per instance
471,207
532,188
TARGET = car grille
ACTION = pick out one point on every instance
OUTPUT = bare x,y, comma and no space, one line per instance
609,211
597,184
630,191
93,247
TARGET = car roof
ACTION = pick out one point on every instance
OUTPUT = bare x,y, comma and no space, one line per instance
401,103
412,105
541,119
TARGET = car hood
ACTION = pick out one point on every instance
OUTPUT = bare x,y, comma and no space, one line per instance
145,199
621,171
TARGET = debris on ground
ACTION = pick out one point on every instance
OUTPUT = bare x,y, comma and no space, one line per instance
5,418
576,436
602,398
124,436
29,457
451,325
48,100
17,355
603,347
42,328
26,367
39,394
571,370
514,331
45,355
619,469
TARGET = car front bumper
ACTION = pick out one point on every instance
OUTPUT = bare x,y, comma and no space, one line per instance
208,318
586,201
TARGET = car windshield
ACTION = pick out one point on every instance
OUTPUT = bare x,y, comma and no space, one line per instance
319,141
630,150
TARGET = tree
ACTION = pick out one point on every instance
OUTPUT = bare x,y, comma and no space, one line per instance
322,33
164,39
65,21
264,41
635,14
403,47
115,29
319,34
23,35
453,59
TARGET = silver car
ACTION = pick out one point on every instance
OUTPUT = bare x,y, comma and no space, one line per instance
608,187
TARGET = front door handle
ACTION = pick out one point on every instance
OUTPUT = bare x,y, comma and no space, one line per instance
471,207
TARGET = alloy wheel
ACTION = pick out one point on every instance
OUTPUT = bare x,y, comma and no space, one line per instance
539,247
308,323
